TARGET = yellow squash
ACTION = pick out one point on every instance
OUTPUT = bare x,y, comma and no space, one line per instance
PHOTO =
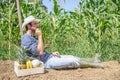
29,64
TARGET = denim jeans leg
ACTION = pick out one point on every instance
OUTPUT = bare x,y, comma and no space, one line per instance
63,62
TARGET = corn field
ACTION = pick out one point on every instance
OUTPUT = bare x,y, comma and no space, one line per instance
94,27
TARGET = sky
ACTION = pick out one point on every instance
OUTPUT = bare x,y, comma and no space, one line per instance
68,5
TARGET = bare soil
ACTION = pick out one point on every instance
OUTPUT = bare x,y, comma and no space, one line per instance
111,71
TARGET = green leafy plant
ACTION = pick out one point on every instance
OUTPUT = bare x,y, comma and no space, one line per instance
94,27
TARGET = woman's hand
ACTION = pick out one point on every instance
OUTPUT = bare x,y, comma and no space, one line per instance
38,32
56,54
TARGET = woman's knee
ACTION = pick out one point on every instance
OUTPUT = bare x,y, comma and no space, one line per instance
75,64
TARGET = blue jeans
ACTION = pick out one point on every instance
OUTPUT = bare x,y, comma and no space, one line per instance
64,61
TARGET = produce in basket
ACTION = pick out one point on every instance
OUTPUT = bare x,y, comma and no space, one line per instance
27,63
36,63
22,66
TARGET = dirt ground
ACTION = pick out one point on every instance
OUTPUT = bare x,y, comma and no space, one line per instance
111,71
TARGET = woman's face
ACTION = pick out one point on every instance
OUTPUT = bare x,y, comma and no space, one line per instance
34,25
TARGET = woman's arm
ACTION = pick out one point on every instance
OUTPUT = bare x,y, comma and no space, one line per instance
40,42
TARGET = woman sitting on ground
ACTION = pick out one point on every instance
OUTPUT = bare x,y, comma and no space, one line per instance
51,60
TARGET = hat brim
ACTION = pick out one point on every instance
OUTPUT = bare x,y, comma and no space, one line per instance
25,23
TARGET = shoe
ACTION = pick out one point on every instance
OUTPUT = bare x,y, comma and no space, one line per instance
97,65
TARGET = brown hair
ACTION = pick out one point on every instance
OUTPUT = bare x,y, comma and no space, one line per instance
27,27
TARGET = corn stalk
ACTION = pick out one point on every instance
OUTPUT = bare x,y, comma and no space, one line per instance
10,27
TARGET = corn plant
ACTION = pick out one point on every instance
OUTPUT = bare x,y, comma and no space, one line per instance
94,27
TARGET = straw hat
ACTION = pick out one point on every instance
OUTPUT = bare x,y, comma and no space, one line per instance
28,20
